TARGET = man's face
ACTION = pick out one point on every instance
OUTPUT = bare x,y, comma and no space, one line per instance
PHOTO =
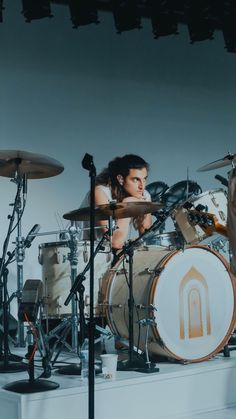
134,184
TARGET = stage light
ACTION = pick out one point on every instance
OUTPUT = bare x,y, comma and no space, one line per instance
164,20
83,12
126,15
36,9
229,26
198,16
1,9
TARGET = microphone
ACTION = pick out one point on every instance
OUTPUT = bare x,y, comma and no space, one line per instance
223,180
31,235
87,162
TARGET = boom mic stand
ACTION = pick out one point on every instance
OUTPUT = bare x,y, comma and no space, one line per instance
134,363
88,164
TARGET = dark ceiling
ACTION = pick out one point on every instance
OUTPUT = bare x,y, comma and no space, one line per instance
203,17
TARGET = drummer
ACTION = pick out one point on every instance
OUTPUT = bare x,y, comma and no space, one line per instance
123,180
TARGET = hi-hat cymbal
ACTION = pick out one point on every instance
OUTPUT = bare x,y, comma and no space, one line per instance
35,166
225,161
120,210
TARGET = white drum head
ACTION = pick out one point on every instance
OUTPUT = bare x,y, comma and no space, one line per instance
194,297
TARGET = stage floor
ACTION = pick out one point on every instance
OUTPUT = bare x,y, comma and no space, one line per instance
177,391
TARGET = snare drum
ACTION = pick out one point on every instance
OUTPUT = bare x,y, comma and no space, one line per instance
56,276
190,295
170,240
214,201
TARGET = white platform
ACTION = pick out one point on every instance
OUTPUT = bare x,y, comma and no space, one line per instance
177,391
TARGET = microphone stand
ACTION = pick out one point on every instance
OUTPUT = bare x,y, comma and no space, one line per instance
32,385
88,164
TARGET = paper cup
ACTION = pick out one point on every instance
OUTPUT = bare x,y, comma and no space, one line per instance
109,366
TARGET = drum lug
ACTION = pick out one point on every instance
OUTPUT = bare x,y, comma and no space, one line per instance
159,270
143,248
214,200
222,215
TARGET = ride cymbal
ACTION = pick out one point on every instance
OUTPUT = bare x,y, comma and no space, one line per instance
225,161
114,210
35,166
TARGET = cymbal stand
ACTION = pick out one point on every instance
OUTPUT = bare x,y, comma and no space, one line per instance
6,366
73,258
134,363
20,255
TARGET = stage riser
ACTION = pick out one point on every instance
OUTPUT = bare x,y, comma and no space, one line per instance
177,391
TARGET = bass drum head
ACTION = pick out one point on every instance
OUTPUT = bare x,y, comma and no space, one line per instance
191,295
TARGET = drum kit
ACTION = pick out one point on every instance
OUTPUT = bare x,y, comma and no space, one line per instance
183,293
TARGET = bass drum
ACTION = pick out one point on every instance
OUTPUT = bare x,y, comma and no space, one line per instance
190,294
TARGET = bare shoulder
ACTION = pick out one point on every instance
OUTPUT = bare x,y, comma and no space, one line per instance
100,196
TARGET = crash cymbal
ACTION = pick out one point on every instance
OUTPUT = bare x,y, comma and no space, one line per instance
115,210
35,166
225,161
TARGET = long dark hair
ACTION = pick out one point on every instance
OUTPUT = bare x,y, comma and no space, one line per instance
119,166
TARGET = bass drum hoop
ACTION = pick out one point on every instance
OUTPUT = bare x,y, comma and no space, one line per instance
161,264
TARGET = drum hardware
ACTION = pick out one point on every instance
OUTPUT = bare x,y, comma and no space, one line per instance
145,307
219,245
34,166
32,385
156,190
180,192
21,166
222,180
6,366
229,159
73,259
133,363
149,367
71,323
114,210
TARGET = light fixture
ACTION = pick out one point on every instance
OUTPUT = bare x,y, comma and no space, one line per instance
198,16
1,9
126,15
229,25
83,12
36,9
164,20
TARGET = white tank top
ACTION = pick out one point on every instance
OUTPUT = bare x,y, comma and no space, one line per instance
86,203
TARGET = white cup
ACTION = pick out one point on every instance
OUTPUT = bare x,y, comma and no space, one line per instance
109,366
